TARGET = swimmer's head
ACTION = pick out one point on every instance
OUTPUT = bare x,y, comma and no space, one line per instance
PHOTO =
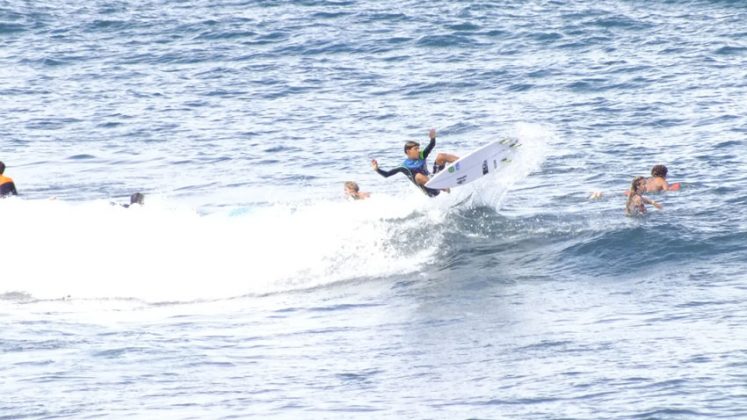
137,198
659,170
638,185
351,187
2,168
412,149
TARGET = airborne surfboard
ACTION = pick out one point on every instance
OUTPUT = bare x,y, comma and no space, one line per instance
489,159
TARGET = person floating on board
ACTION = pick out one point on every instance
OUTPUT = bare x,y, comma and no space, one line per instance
415,167
658,181
353,191
636,201
7,186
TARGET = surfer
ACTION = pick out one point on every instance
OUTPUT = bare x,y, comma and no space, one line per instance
136,198
636,201
658,181
353,191
415,167
7,186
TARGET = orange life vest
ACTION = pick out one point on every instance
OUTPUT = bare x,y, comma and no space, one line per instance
6,186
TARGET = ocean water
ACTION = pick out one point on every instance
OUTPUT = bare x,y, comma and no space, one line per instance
248,287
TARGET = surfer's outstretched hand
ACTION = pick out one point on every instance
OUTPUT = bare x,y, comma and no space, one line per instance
374,164
432,133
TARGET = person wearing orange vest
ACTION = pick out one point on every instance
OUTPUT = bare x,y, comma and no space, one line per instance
7,187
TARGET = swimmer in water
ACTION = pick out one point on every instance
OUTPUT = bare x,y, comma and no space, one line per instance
7,187
658,181
136,198
353,191
636,204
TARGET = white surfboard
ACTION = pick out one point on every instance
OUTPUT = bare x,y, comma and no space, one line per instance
486,160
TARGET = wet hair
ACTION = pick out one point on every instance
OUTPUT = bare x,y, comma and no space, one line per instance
410,144
137,198
352,185
633,190
659,170
2,168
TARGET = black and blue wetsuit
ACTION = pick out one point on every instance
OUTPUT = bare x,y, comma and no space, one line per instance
411,167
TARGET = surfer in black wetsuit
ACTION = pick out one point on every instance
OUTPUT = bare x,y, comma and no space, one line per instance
415,167
7,187
135,198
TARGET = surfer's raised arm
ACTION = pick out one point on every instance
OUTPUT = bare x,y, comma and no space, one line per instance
431,144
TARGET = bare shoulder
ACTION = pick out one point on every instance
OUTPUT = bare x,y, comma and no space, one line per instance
655,184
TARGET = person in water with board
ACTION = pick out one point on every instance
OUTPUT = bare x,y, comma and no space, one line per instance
353,191
415,166
7,186
636,201
657,182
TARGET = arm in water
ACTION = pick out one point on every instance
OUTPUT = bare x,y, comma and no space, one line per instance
652,202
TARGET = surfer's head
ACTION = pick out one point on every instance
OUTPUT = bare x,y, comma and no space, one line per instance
659,170
412,149
2,168
137,198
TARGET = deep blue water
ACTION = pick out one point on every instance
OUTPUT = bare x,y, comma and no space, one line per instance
248,287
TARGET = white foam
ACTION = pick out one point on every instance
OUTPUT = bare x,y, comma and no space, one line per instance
161,252
491,191
54,249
